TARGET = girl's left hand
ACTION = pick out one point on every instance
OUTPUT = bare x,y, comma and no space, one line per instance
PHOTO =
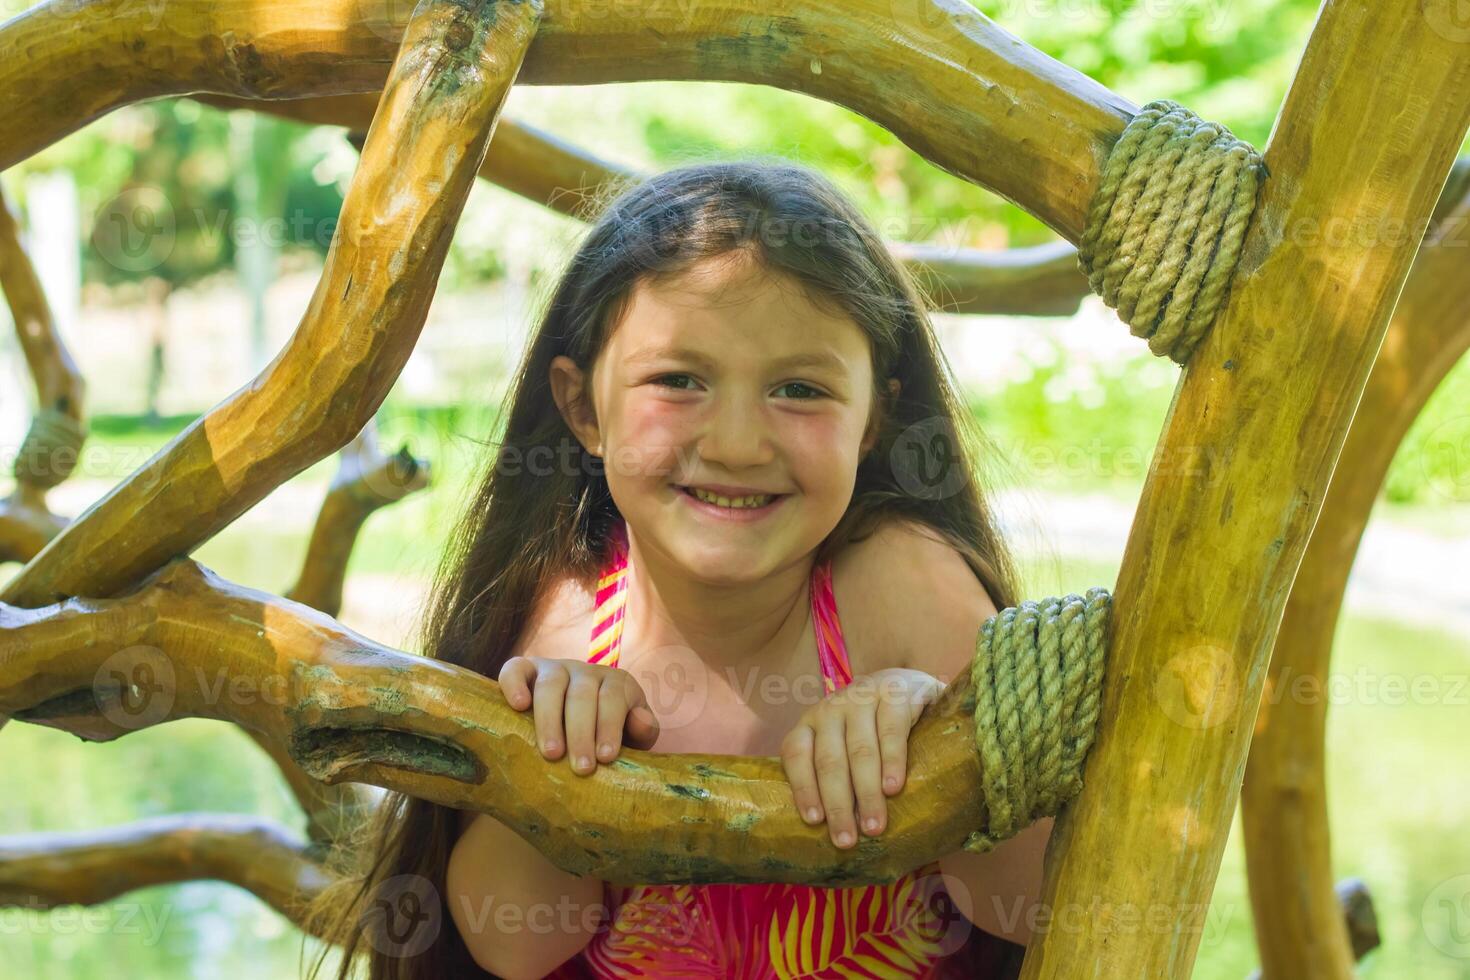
836,751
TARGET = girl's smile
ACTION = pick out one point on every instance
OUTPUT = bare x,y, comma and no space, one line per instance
732,506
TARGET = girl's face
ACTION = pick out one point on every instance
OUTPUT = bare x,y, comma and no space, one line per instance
728,379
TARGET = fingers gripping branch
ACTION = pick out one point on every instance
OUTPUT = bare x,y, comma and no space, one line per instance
348,709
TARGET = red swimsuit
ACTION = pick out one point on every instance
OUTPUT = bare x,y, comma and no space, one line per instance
909,928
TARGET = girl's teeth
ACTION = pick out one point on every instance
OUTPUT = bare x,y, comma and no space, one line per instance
737,502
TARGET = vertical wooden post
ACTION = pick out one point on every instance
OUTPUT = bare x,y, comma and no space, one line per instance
1357,159
1298,915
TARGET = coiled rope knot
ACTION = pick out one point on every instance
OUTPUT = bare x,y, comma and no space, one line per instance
1166,223
1037,676
50,450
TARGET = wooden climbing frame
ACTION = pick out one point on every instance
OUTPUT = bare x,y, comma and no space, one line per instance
1265,404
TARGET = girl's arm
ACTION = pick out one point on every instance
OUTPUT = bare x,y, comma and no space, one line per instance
1003,885
919,606
520,915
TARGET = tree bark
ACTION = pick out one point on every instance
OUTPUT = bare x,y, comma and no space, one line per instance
1299,924
1357,159
186,643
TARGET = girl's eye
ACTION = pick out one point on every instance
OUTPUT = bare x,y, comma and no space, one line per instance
811,392
805,391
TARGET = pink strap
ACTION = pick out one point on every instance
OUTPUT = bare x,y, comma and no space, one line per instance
612,599
831,647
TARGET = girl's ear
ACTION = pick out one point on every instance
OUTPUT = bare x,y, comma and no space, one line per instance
879,413
571,388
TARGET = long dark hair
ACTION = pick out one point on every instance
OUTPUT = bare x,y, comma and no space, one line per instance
523,531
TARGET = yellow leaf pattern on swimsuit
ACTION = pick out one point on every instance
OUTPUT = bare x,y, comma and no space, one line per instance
909,928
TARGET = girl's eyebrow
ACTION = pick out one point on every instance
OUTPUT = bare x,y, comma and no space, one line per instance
818,359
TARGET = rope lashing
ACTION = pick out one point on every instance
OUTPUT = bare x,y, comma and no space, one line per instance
1166,223
50,450
1037,675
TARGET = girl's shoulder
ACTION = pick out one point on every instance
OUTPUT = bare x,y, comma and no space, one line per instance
560,622
905,596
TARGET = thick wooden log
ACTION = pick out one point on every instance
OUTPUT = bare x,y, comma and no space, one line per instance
1357,160
187,644
962,92
44,870
1299,924
427,141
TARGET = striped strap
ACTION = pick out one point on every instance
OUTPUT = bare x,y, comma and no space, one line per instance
612,601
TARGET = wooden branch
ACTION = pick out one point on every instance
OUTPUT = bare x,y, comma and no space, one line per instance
1355,910
44,870
188,644
365,481
426,143
1039,281
1357,161
26,522
1299,926
60,387
523,159
962,92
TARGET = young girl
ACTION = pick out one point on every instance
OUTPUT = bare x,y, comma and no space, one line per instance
732,422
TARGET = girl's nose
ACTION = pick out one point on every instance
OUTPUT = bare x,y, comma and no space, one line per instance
736,434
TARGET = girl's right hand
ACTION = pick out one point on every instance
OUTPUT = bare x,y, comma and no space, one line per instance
579,707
